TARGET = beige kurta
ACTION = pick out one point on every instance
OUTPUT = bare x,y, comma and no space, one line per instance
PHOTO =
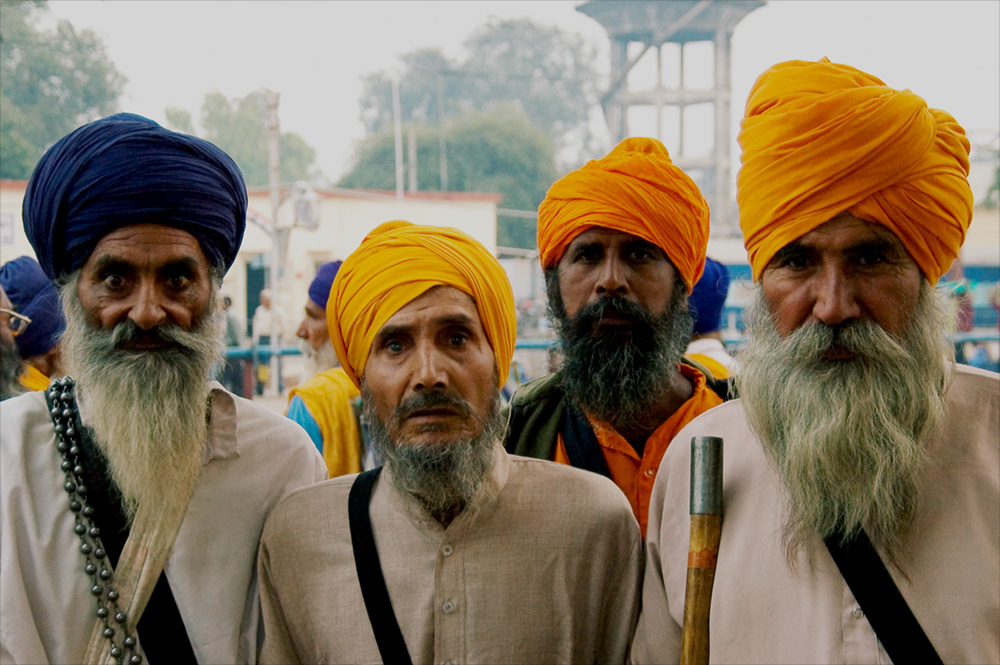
764,611
547,571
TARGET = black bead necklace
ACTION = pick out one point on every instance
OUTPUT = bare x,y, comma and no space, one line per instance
62,407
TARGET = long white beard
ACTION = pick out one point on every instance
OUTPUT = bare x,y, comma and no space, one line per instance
147,410
846,435
317,361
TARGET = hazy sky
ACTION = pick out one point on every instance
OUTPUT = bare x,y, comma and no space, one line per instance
313,52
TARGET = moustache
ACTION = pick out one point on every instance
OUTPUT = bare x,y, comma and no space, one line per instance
127,336
624,311
432,401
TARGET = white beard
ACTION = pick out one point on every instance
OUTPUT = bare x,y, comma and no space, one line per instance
846,436
317,361
147,410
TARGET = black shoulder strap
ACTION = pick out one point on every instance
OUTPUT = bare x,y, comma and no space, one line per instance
389,637
889,615
582,448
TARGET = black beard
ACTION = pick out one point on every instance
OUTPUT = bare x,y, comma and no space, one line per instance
10,369
617,373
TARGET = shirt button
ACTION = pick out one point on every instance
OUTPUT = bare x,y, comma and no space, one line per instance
858,613
448,607
447,550
649,473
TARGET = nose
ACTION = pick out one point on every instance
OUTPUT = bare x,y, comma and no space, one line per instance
302,332
147,311
835,297
428,369
611,278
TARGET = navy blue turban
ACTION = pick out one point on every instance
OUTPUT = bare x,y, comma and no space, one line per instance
708,297
319,290
124,170
35,296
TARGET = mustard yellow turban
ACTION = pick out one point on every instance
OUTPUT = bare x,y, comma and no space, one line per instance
398,262
635,189
820,139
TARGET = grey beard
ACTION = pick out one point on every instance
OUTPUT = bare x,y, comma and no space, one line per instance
147,410
619,375
446,478
10,369
846,436
317,361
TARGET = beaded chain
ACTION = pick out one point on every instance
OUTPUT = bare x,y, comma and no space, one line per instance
62,405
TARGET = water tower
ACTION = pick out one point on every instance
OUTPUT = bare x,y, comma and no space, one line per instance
638,27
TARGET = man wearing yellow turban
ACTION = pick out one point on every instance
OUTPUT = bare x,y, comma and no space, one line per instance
862,472
481,556
622,241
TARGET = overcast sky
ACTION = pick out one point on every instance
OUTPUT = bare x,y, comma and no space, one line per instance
314,52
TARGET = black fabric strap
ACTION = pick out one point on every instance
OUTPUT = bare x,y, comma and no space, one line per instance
389,637
582,448
876,592
161,630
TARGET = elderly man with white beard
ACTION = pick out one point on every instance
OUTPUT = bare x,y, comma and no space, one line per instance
861,479
454,551
134,493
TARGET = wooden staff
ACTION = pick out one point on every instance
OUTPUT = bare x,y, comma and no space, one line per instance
703,552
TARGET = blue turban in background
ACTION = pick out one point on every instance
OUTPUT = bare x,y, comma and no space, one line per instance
124,170
319,290
35,296
708,297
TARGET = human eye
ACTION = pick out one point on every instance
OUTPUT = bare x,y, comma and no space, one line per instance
587,254
794,259
458,338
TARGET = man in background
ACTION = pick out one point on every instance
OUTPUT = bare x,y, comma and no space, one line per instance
325,403
10,359
34,295
622,241
707,299
861,473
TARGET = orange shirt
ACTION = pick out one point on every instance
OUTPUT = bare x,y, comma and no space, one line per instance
32,379
635,475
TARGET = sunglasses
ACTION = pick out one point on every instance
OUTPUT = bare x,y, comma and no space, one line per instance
18,322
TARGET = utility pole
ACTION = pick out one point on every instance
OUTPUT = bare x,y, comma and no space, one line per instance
273,183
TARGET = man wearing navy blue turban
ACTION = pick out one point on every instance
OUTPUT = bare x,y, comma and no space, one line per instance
141,485
325,403
33,295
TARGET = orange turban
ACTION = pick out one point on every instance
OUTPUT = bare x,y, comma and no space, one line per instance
635,189
398,262
820,139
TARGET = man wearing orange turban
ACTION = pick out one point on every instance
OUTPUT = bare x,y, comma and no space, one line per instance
481,556
859,456
622,241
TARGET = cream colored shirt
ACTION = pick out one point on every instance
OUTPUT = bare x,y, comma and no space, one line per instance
764,611
253,458
547,571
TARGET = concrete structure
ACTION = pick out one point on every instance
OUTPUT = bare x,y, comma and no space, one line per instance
642,28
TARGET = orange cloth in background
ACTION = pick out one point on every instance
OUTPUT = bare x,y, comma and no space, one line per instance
32,379
395,264
327,396
633,474
820,138
635,189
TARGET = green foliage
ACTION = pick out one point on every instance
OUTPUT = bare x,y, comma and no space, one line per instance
50,83
239,126
547,74
495,151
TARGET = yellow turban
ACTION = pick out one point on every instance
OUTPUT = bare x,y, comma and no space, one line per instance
395,264
820,139
635,189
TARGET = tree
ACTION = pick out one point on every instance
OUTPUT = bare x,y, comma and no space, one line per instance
494,151
547,74
50,83
239,127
